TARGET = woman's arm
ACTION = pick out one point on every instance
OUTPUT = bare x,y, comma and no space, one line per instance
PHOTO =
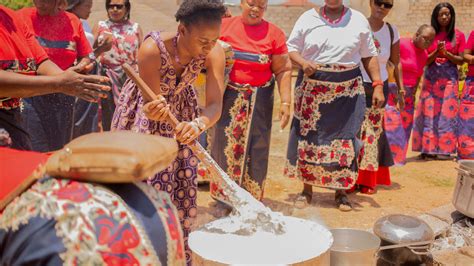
215,65
395,59
299,62
468,57
371,65
455,59
149,64
281,68
140,36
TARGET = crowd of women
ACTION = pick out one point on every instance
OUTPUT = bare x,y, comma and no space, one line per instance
354,97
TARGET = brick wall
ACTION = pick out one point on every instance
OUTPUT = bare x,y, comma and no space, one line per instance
407,15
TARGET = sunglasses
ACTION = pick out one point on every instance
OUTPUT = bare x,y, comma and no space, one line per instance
382,4
117,6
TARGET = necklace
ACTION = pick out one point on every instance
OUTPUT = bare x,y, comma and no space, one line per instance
325,16
175,45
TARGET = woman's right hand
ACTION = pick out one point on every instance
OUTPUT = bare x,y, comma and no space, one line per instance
157,110
309,68
87,87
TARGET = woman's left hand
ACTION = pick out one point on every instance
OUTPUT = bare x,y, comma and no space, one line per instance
378,98
187,132
284,115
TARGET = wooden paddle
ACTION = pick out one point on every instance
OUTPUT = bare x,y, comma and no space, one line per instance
231,189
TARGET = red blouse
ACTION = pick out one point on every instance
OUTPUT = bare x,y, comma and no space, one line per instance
19,52
470,46
262,39
455,47
61,36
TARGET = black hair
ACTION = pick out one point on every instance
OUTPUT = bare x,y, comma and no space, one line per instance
193,12
452,23
127,4
422,28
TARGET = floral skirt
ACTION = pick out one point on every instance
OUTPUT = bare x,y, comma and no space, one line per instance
329,110
435,126
398,124
241,138
466,122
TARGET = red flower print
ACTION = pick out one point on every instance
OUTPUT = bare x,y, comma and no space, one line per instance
343,160
439,89
399,154
118,238
238,151
307,113
236,171
346,181
306,174
355,84
392,120
326,180
409,103
429,141
370,139
416,141
407,119
340,89
465,147
309,100
237,132
346,144
450,108
447,142
73,191
429,108
466,111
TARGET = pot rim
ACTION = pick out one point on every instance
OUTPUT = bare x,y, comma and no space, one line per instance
374,249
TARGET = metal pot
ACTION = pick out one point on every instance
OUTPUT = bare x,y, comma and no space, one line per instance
463,198
403,229
358,247
354,247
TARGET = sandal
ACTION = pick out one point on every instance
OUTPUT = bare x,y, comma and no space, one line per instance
343,203
367,190
303,199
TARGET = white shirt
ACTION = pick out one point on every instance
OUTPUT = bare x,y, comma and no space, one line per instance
344,43
88,32
382,42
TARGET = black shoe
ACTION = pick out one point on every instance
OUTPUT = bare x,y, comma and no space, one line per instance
443,157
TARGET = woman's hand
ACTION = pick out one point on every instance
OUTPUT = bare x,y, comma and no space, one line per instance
309,68
378,98
284,114
187,132
157,110
87,87
401,99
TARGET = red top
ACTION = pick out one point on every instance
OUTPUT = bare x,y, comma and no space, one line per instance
413,60
455,47
19,50
470,46
62,36
262,39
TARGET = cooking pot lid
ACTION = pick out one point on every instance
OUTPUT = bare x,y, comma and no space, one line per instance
399,228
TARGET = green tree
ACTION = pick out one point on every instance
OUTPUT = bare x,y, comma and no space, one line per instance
16,4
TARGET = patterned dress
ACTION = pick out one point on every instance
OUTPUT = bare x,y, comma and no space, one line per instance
435,127
125,44
63,222
179,180
466,111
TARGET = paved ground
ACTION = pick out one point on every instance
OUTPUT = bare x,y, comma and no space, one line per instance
417,187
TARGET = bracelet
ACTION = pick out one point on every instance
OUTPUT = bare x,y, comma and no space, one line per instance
285,103
199,124
376,83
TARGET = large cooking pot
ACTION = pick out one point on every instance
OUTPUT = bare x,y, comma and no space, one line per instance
399,229
463,198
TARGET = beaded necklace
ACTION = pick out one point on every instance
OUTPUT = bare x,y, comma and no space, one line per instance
325,16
